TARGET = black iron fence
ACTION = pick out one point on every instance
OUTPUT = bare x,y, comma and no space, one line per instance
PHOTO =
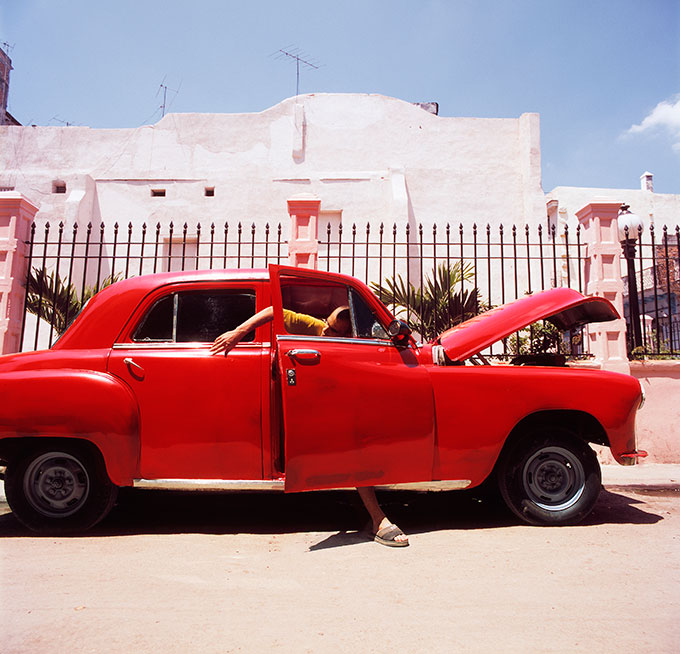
436,276
653,259
433,276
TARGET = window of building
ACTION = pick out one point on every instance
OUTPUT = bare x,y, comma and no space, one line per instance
157,192
209,191
58,186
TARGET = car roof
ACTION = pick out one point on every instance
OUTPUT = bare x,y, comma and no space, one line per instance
104,316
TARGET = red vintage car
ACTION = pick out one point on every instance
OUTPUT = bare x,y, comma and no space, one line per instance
131,396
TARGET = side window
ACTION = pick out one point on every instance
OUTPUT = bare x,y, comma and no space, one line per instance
306,306
196,316
156,326
203,316
366,325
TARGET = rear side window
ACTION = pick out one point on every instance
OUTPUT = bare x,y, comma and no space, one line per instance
196,316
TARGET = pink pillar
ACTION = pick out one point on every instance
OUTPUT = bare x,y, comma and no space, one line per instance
16,213
607,340
303,246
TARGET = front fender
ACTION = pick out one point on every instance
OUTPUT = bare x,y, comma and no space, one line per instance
74,404
479,406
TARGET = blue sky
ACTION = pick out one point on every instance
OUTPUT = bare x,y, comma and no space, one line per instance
603,74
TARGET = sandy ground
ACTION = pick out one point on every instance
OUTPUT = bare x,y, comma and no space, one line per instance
172,572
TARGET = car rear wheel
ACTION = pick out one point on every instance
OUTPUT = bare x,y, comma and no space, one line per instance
59,489
550,478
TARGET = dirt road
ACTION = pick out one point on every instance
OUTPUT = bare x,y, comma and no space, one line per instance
170,572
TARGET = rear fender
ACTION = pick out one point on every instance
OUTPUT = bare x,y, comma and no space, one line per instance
73,404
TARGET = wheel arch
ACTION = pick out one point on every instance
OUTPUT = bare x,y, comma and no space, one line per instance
81,405
582,424
15,447
10,448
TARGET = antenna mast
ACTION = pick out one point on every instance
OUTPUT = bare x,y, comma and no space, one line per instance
165,88
298,57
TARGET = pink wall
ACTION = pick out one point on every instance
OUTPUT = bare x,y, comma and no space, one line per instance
16,214
658,424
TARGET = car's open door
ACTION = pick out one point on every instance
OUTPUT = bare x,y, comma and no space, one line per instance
357,409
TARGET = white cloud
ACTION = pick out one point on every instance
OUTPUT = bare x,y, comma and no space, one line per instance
666,117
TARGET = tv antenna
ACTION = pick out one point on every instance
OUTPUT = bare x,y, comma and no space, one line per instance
165,88
66,123
296,55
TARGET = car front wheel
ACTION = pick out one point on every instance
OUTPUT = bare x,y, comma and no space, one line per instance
550,478
59,489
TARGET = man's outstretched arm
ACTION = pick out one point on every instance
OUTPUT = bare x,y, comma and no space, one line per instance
225,342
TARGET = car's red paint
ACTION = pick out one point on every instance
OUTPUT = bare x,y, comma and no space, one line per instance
471,433
74,403
201,415
344,418
360,411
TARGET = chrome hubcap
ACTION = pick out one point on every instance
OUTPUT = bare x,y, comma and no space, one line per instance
553,478
56,484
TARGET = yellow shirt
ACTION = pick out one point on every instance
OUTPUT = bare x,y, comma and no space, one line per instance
301,323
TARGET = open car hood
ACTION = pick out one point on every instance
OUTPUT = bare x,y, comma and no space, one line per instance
563,307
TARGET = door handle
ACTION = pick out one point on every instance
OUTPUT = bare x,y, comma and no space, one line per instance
308,357
134,367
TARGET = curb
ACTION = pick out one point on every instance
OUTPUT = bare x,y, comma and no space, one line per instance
644,474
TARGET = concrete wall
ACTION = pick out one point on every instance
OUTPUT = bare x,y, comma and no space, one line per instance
366,156
658,425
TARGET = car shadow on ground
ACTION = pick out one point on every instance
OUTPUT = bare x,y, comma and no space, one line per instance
172,512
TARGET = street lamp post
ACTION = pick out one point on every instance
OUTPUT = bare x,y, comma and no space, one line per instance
630,228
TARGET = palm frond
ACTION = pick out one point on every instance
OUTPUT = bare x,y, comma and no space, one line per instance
55,302
442,302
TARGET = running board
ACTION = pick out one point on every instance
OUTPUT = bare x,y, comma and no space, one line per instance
279,485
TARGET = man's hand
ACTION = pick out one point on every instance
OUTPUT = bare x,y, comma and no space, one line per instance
225,342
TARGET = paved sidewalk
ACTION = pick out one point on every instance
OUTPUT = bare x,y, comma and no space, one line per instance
175,573
643,474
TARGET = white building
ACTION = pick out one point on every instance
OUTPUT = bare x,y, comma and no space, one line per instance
367,157
656,209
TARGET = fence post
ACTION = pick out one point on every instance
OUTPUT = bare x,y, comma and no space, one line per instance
16,213
303,245
607,340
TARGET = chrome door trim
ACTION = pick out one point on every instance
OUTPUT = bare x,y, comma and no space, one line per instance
279,484
210,484
332,339
167,345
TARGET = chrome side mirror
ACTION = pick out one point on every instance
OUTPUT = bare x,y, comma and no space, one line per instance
398,331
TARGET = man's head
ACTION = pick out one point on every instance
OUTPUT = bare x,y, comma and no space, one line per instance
338,323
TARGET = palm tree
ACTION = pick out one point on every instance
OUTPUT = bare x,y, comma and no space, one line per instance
52,300
439,304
